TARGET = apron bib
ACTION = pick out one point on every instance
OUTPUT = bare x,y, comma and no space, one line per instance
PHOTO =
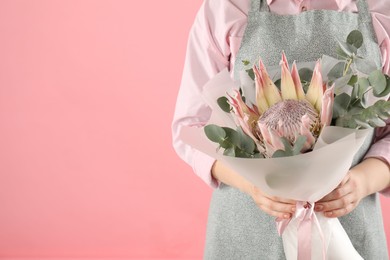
236,227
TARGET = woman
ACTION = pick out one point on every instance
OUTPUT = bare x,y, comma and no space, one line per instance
225,32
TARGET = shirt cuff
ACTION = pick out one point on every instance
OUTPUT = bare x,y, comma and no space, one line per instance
202,164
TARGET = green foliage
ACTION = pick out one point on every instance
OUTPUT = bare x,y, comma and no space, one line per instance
305,75
355,38
364,66
337,71
341,104
278,83
289,149
246,62
215,133
377,81
351,110
251,73
352,72
373,116
387,89
224,104
234,142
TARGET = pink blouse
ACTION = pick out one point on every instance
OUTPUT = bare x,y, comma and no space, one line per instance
214,41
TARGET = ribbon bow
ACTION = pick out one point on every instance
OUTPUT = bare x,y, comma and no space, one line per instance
306,217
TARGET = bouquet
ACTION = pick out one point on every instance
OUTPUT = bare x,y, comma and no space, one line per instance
285,136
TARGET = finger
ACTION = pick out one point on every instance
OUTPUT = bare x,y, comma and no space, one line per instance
282,200
332,205
337,193
340,212
340,191
274,206
276,214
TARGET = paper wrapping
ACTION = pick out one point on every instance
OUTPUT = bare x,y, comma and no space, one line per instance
305,177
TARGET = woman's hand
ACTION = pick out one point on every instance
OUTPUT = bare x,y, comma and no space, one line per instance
370,176
274,206
344,198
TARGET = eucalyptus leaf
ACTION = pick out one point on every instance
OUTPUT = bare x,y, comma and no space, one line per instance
353,80
362,124
363,85
251,73
348,48
373,116
378,82
387,89
215,133
257,155
278,83
231,139
246,62
341,53
342,83
337,71
355,38
363,101
241,94
355,92
377,122
347,122
299,143
246,143
341,103
364,66
280,153
224,104
241,153
229,152
288,149
305,74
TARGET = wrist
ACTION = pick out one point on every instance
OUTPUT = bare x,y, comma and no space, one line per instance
373,175
224,174
363,185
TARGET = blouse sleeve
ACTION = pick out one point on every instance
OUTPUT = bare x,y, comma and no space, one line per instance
380,12
208,53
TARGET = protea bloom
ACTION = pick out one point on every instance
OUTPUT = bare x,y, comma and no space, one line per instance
286,113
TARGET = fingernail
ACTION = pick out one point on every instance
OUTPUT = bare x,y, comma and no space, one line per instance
318,207
286,216
293,209
329,214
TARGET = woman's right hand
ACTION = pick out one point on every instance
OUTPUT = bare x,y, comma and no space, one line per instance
274,206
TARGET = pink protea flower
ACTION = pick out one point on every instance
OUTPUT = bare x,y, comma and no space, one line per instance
287,113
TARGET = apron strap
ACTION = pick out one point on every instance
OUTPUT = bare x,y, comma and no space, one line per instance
264,6
259,6
363,10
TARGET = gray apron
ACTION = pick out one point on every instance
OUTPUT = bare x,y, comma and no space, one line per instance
236,227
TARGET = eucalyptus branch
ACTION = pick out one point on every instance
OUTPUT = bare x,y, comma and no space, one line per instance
347,66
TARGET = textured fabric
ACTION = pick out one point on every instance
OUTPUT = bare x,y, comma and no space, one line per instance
214,40
237,228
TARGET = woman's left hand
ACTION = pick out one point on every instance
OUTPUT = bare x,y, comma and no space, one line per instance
345,197
369,176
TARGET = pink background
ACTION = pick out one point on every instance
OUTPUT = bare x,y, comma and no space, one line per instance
87,92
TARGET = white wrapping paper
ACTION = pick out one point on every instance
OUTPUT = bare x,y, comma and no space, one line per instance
306,177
